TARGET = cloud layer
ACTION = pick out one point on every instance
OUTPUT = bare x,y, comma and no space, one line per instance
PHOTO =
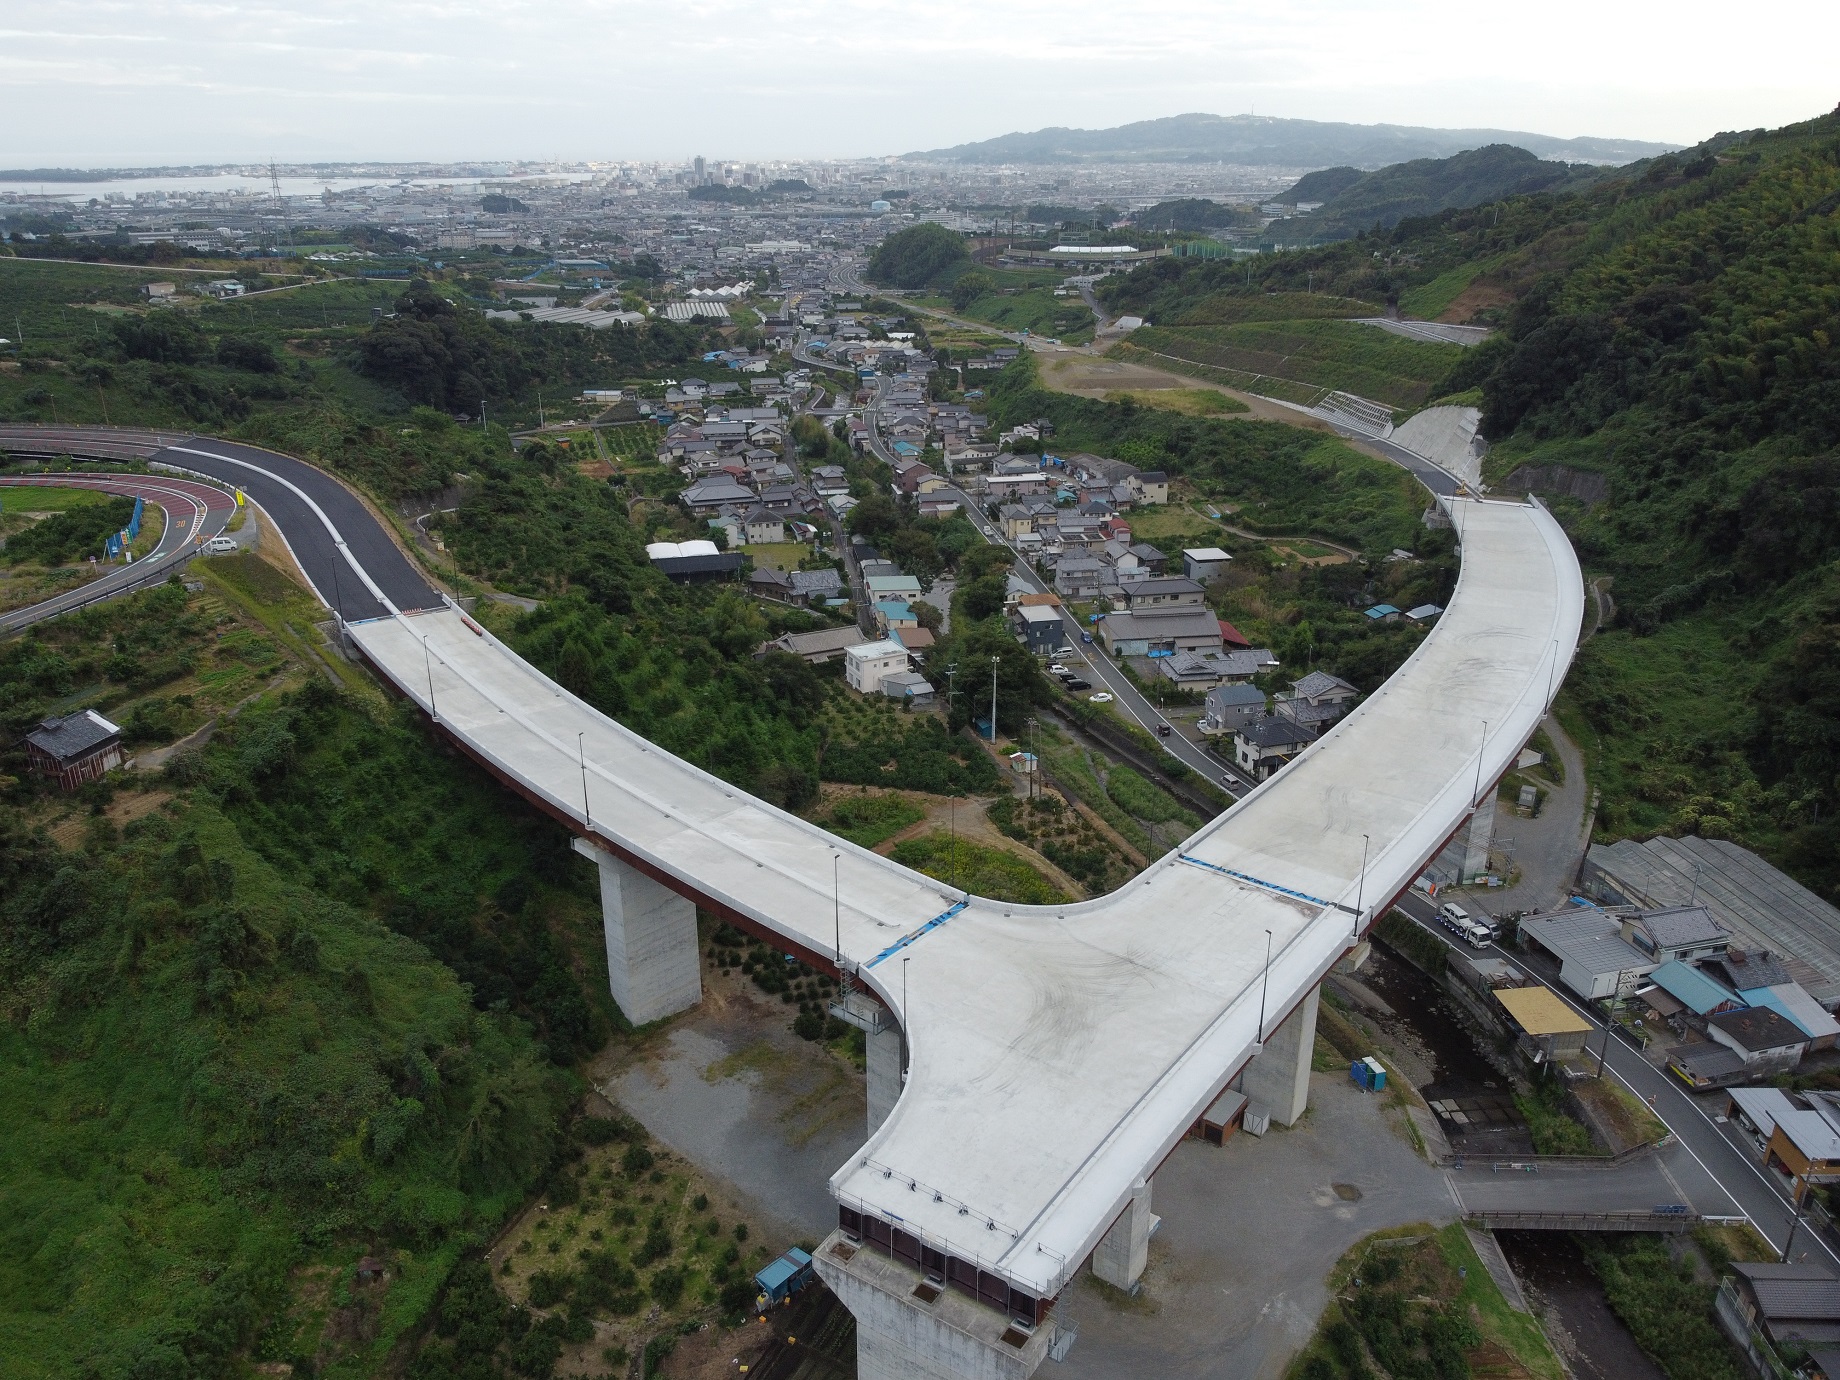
105,82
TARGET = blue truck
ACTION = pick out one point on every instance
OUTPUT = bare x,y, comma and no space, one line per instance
783,1278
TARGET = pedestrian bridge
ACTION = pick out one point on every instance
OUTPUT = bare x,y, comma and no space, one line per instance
1053,1055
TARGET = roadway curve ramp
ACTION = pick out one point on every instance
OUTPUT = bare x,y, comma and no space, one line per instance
194,512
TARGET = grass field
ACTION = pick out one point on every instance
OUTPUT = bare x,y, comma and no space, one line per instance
1154,354
972,867
1036,310
780,555
1430,300
1327,354
867,819
1190,402
1231,308
37,500
1419,1302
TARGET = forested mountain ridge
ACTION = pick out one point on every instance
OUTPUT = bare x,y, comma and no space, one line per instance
1670,330
1264,140
1423,187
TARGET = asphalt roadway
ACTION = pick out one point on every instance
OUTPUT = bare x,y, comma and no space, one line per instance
300,499
194,512
1715,1148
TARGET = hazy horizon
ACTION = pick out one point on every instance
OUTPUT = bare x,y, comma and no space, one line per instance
88,84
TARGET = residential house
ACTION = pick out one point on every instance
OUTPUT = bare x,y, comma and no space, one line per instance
1163,592
1383,613
865,664
816,586
780,498
1797,1133
1017,518
905,588
893,614
1765,1041
1203,563
1150,558
1229,707
966,455
1040,628
1594,959
910,687
1262,747
759,527
1684,933
706,496
1696,992
1079,577
1545,1028
1794,1306
1149,487
1232,638
1423,614
769,583
1795,1004
1160,631
74,748
1197,670
917,640
826,644
1316,701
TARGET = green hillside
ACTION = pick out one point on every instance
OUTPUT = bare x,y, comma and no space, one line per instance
918,256
1422,187
1669,330
1325,354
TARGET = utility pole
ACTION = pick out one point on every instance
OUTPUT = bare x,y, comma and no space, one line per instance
993,699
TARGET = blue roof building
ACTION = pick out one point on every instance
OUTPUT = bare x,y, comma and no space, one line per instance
1694,990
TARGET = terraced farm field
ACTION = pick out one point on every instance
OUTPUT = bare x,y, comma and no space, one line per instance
1325,354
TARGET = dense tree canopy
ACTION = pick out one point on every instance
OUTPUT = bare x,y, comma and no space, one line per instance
918,256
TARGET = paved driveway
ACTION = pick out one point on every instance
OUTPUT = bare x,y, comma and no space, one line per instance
1250,1231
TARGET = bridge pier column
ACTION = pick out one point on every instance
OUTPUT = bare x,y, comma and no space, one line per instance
1278,1078
884,1068
902,1336
1122,1253
652,962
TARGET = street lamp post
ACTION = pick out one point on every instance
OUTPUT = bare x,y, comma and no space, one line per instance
1264,985
587,815
1360,892
428,665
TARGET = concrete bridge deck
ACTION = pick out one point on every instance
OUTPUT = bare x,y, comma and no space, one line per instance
1055,1054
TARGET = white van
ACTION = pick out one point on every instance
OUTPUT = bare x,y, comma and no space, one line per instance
220,546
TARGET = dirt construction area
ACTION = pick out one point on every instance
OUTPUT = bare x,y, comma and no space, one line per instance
1094,376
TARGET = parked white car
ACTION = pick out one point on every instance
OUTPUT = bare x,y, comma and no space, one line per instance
220,546
1101,698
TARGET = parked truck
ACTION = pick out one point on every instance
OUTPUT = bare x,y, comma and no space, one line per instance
783,1278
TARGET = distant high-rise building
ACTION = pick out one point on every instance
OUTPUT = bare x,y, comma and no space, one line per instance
702,174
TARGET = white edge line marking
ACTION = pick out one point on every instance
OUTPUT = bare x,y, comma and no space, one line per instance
319,512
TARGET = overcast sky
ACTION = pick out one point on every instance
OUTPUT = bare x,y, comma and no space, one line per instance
125,82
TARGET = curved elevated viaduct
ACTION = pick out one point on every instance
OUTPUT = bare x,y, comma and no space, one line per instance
1054,1055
